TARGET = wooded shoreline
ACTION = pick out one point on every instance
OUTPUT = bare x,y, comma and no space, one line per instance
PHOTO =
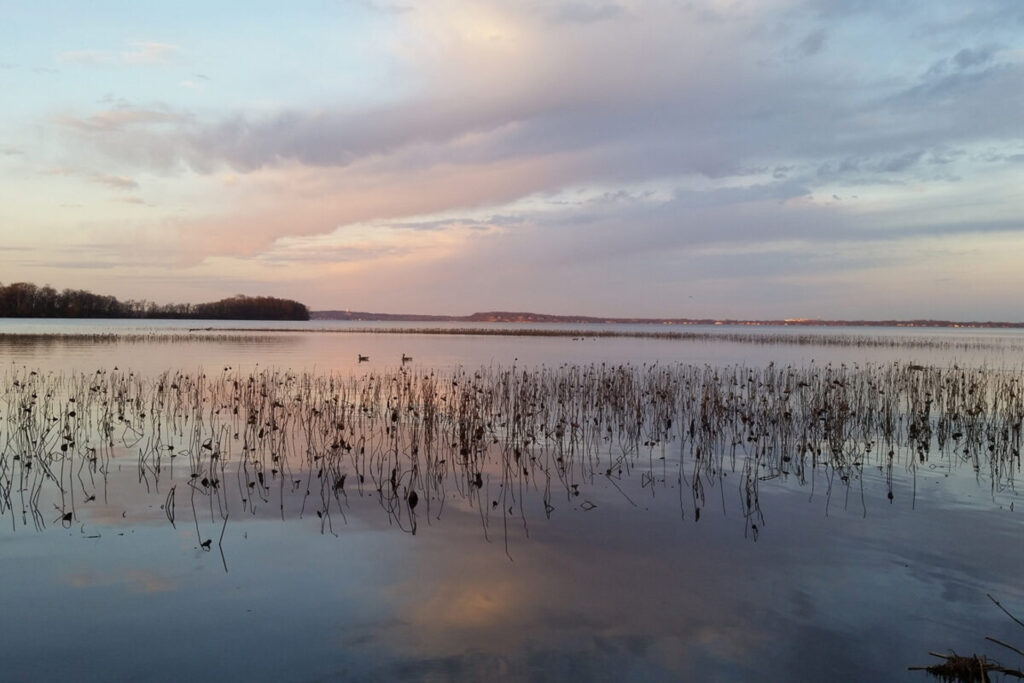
26,300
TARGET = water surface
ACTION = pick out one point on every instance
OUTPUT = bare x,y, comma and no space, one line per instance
838,581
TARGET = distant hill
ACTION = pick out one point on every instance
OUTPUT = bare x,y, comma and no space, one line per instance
525,317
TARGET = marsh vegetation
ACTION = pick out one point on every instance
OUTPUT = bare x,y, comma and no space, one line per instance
513,443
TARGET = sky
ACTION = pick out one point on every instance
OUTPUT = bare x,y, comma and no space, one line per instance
663,158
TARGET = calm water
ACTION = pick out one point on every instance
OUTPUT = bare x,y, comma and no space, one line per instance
335,345
622,582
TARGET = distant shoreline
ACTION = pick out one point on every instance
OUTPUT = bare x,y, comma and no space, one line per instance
516,317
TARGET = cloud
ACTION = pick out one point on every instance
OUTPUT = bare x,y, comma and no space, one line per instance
882,168
813,43
901,162
121,119
607,130
561,92
333,255
60,171
294,200
548,86
150,53
132,200
967,57
457,223
116,182
584,13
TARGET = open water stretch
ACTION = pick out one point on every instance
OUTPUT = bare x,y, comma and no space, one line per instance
178,501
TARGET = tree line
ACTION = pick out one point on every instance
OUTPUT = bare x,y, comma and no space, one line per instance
26,300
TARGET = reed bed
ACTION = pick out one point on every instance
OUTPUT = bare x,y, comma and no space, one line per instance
509,444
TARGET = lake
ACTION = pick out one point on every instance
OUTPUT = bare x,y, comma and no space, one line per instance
187,499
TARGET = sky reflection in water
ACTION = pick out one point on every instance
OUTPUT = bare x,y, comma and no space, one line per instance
843,587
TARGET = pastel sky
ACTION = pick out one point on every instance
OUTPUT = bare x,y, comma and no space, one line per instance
723,158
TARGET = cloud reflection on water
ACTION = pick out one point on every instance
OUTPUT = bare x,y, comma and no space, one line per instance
839,586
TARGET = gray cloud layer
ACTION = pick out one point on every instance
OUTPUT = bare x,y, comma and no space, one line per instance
648,115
